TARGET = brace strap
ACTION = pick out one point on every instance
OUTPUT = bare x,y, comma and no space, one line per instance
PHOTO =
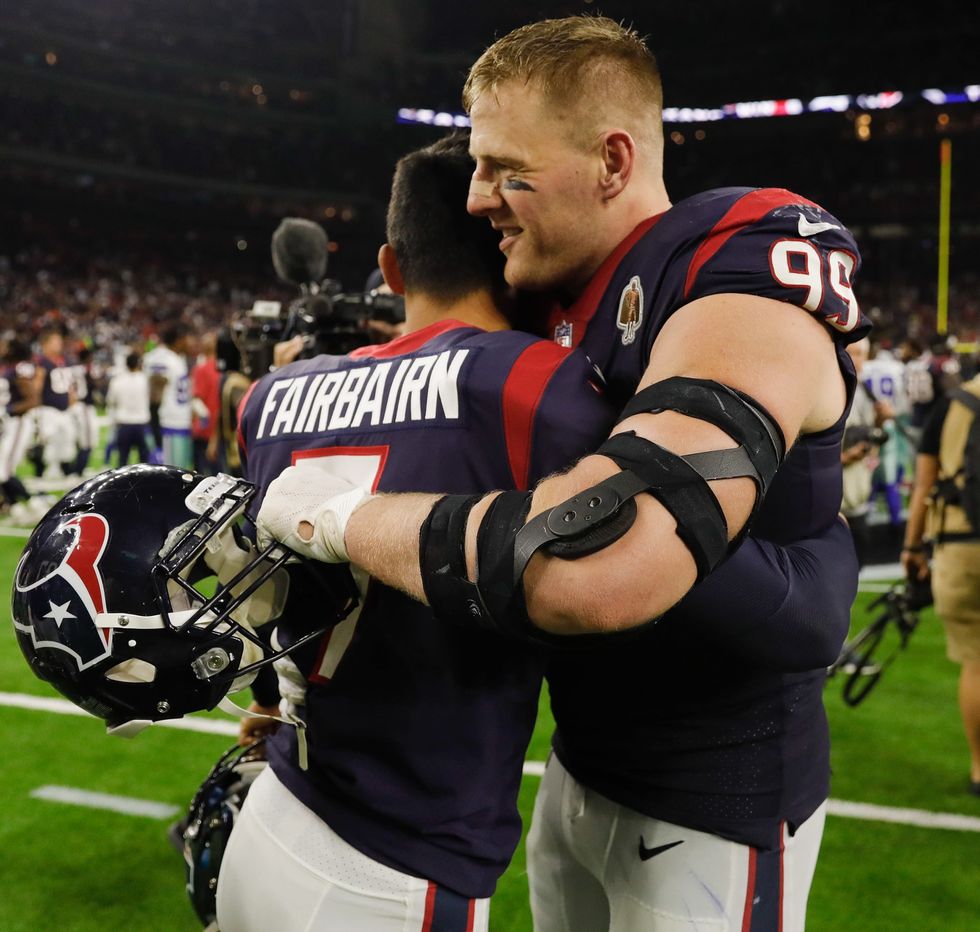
744,419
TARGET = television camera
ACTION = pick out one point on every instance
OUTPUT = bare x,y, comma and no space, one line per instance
328,319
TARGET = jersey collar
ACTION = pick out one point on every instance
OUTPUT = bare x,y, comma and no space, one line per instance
584,308
408,343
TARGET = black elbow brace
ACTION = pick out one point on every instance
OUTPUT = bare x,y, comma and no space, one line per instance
600,515
442,558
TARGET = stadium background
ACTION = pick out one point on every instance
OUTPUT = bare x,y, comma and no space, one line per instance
147,151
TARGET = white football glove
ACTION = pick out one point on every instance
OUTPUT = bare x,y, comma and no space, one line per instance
309,493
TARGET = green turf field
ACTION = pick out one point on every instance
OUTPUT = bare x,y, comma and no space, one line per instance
69,868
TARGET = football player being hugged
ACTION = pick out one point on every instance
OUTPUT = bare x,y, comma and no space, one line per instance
406,812
690,777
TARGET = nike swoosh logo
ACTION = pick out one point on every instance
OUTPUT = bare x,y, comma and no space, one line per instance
647,853
807,228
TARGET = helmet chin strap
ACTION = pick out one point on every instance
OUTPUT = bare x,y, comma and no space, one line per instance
287,716
128,729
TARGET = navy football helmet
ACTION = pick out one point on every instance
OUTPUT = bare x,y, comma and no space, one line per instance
140,598
213,813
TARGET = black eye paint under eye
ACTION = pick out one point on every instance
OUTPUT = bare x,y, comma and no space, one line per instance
515,184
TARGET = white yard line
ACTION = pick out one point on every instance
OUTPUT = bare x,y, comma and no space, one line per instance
127,805
8,531
919,818
880,571
208,726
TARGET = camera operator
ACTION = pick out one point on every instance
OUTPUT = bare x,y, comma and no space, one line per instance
862,438
943,511
323,319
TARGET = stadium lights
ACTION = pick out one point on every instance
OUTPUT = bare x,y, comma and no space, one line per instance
747,110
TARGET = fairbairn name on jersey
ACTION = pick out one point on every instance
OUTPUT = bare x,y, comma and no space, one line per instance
422,388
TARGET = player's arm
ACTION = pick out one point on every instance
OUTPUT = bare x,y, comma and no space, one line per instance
158,382
30,387
915,559
781,358
785,608
778,355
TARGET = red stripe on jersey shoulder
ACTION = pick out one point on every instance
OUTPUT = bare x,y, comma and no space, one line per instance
746,210
583,310
523,389
241,411
408,343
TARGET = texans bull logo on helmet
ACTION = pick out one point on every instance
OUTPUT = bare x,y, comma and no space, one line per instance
74,592
107,606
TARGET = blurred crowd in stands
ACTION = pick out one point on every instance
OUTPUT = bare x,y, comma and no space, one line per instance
147,152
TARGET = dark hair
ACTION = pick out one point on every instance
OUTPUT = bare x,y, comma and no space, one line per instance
171,333
50,330
18,351
84,353
441,249
133,361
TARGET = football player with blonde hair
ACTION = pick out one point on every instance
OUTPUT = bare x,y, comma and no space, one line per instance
689,781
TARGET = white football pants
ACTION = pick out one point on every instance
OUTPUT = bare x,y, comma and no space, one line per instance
596,866
285,870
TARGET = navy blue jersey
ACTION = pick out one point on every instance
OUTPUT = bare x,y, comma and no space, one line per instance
85,383
418,729
15,375
668,725
58,382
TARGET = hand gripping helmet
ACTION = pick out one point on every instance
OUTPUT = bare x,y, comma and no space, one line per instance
138,595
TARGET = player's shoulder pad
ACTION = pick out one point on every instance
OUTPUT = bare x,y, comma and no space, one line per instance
777,244
523,354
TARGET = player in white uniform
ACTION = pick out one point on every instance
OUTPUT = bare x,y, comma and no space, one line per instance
170,395
55,426
885,377
83,411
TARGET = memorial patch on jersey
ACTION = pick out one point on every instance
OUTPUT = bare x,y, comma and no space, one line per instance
379,394
630,314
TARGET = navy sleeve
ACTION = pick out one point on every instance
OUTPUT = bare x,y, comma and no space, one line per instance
783,608
776,244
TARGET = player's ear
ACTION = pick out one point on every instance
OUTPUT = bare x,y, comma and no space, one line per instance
618,154
390,270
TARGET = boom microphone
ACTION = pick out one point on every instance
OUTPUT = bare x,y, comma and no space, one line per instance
299,251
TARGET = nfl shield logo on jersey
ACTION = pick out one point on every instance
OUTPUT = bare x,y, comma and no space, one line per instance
563,334
630,310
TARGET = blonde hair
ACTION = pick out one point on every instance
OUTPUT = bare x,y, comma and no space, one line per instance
592,63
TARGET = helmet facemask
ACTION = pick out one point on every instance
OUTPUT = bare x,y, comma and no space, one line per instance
197,605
